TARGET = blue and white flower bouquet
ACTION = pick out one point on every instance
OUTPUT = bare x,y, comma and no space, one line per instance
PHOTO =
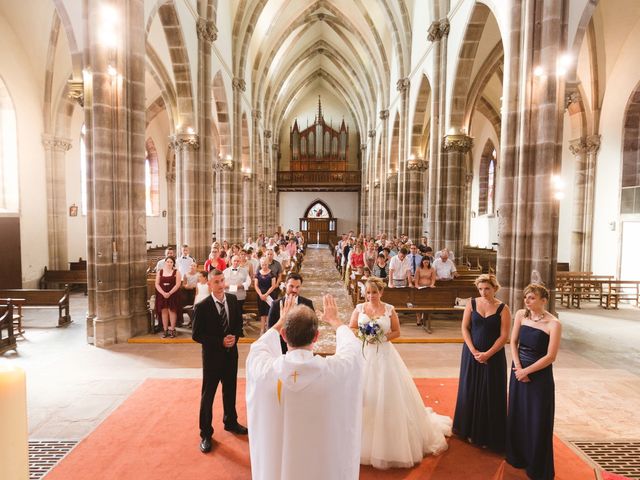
370,333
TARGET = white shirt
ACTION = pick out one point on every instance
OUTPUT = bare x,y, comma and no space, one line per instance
401,268
202,291
183,263
305,411
444,270
237,276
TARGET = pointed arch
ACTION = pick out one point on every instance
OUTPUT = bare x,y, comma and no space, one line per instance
318,209
221,115
487,179
9,195
630,182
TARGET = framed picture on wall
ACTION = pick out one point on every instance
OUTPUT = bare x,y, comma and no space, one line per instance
73,210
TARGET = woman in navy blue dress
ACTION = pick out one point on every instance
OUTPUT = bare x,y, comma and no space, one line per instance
481,408
535,340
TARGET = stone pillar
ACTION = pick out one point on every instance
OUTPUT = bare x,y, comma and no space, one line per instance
171,195
371,177
531,147
450,211
116,223
585,150
391,206
187,198
414,197
55,150
438,34
224,209
273,213
200,239
233,222
263,207
402,85
382,173
364,191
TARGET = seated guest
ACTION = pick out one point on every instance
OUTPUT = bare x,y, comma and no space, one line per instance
445,268
184,261
190,278
400,270
380,268
202,287
168,252
425,274
237,281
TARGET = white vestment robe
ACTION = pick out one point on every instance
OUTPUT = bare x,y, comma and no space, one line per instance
304,411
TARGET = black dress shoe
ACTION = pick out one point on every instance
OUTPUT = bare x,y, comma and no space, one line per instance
205,445
237,428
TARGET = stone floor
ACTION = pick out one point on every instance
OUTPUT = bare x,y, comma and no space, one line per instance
73,386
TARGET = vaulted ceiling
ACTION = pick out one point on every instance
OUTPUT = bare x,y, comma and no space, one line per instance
352,47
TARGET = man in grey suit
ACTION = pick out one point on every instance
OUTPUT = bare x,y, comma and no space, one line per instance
292,284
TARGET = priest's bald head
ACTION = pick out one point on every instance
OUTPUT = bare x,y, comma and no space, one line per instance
300,328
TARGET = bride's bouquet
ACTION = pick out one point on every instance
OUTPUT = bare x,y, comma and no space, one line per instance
370,332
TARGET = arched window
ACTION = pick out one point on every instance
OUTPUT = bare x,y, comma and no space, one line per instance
8,153
487,178
318,209
630,199
151,179
83,169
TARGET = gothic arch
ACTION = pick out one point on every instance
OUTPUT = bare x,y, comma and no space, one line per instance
320,202
487,179
630,179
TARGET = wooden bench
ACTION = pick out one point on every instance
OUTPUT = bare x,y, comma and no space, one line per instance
34,298
613,291
63,277
7,337
17,304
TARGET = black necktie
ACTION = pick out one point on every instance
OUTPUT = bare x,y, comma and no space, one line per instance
413,270
223,316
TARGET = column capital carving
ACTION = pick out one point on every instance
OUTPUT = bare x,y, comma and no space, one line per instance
183,142
223,165
438,29
59,144
363,146
392,175
275,146
239,84
572,97
75,91
457,143
267,134
402,85
384,114
256,114
171,177
417,164
593,144
207,30
372,134
577,146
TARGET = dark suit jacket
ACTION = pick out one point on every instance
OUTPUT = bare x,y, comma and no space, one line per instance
207,326
274,314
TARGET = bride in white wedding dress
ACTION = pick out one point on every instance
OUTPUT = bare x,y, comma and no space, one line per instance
397,429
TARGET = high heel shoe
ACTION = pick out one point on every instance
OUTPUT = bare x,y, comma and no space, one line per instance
165,334
173,333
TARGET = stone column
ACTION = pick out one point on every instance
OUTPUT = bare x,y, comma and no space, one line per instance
224,209
364,191
234,221
273,213
55,150
200,240
371,176
171,195
402,86
450,211
382,173
531,149
414,197
116,224
585,150
391,207
263,206
438,34
187,197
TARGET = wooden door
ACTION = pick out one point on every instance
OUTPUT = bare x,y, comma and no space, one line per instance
318,230
11,266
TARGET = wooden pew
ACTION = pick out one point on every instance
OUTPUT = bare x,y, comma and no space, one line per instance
7,337
613,291
63,277
34,298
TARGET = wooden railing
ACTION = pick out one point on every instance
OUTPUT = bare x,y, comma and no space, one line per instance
319,181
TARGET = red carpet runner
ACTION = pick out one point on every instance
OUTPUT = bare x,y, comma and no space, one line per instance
154,435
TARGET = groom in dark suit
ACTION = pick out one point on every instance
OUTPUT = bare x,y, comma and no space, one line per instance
217,324
292,284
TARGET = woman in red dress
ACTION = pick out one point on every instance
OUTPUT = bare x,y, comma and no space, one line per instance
168,282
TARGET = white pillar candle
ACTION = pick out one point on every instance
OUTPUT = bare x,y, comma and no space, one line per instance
14,434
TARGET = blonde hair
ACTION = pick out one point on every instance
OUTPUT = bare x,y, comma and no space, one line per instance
375,282
537,289
488,278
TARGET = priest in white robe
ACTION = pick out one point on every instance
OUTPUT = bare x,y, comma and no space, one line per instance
305,411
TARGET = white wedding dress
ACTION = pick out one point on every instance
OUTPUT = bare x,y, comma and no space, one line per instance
397,429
